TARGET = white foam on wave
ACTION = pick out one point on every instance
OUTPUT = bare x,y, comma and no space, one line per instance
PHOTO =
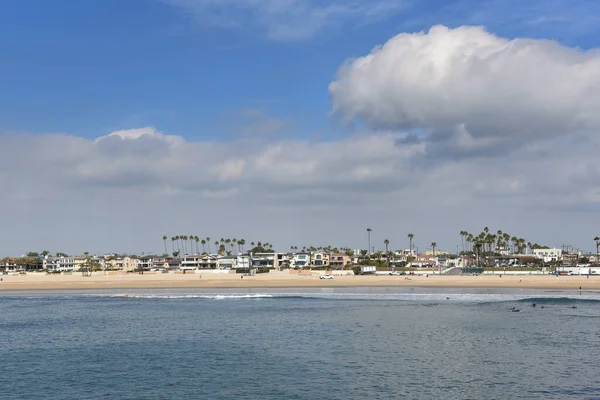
423,297
189,296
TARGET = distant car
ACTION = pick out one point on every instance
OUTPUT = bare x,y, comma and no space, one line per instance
395,273
326,277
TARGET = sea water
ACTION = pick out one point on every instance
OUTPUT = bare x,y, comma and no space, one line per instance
352,343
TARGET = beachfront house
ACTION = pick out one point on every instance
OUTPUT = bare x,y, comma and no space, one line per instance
242,261
318,259
264,260
338,260
58,263
300,260
190,262
548,255
284,260
208,261
227,262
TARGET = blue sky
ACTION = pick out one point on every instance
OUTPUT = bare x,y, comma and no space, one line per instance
153,112
89,68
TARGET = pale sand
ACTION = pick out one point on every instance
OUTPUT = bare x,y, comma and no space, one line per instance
40,281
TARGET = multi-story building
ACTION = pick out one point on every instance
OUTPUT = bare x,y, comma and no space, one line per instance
548,255
264,260
318,259
227,262
338,260
300,260
58,263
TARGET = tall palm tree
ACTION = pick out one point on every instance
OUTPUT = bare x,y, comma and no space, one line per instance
433,245
203,241
387,254
242,243
369,236
173,239
165,242
197,240
597,240
410,239
208,241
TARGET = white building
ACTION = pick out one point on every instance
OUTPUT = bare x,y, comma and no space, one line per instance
300,260
548,255
59,263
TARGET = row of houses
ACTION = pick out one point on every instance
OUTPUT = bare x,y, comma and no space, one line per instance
275,260
187,262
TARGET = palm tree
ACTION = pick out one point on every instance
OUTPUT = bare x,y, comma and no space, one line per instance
165,242
208,241
197,240
597,240
203,241
369,236
410,238
173,239
387,254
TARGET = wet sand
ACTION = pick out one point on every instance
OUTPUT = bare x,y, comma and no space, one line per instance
41,281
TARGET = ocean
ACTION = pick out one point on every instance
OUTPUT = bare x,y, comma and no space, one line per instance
346,343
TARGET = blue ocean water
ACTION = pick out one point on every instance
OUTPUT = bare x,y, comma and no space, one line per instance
355,343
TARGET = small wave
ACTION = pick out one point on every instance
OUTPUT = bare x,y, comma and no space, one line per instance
190,296
561,299
479,298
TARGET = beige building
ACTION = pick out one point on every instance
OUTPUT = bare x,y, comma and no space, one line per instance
319,259
338,260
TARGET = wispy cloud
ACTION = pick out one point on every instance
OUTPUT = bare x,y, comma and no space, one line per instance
284,20
565,20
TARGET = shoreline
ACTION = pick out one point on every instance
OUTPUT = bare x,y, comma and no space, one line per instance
43,282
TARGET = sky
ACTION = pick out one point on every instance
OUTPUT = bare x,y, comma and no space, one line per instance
297,122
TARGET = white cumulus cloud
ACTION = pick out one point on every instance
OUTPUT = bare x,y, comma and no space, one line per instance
472,90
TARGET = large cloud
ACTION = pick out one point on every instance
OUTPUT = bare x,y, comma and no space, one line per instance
123,191
471,90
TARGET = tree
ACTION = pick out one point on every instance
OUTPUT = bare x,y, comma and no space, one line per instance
208,241
597,240
433,244
165,242
45,253
463,234
387,254
369,236
86,268
410,238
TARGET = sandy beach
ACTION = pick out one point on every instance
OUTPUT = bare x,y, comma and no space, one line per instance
41,281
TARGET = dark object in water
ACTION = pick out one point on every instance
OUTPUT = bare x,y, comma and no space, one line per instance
533,305
447,298
574,307
514,309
